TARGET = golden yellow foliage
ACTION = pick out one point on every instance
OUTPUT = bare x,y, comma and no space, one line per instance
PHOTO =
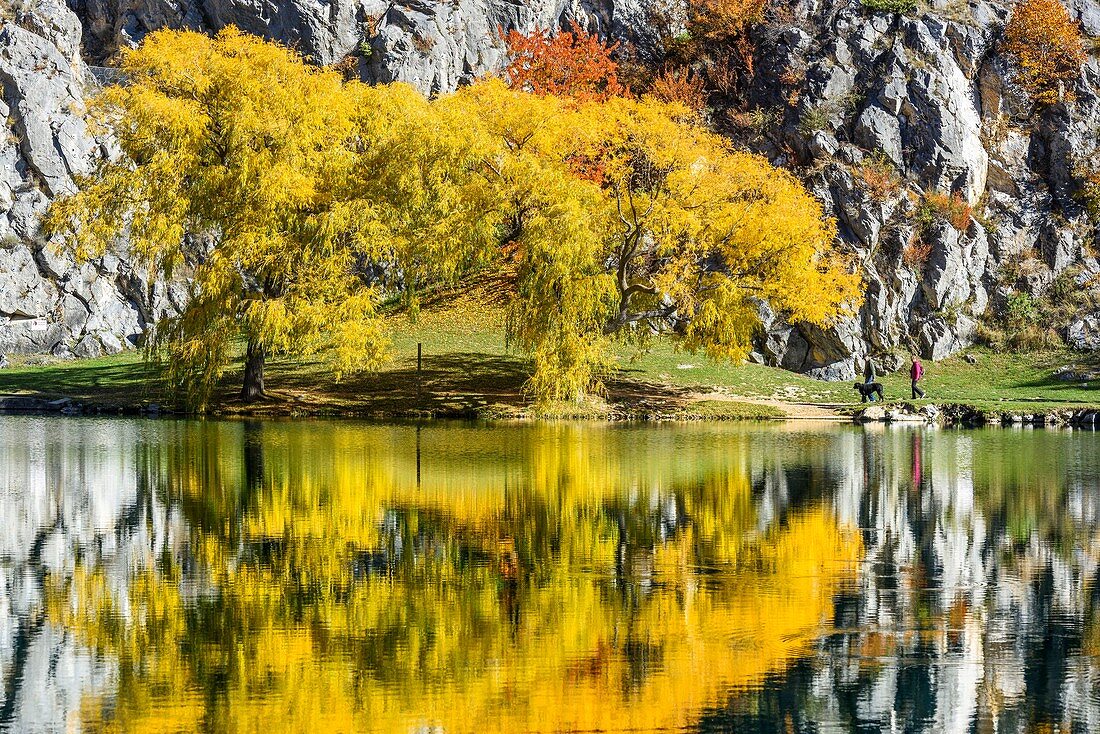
431,218
1047,44
626,218
281,623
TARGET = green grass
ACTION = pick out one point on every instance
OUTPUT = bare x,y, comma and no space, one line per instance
1005,382
122,379
667,365
468,369
899,7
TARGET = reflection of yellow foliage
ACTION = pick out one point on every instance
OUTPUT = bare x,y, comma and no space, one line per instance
532,594
149,669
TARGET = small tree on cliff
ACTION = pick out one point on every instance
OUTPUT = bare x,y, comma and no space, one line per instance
572,64
236,157
1047,45
713,38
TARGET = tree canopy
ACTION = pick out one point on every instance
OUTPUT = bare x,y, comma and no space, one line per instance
626,219
272,182
296,200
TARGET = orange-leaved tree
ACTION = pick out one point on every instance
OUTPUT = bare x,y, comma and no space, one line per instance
724,18
573,64
680,86
1047,45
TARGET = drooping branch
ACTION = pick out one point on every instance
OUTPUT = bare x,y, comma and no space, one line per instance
624,319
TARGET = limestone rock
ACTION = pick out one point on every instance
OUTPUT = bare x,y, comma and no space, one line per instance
877,129
873,414
1084,333
904,416
49,304
435,45
930,92
930,412
324,31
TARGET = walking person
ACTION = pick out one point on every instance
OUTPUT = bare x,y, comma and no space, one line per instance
869,376
916,373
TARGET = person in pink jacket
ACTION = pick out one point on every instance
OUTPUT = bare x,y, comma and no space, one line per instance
916,372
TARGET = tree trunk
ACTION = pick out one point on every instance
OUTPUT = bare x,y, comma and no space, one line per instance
253,388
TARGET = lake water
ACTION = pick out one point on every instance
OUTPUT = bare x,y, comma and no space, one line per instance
178,576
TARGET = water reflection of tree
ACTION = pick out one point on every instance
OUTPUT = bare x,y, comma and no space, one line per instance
572,574
599,593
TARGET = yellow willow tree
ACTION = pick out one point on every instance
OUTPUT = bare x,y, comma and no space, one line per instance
431,217
627,219
235,154
553,220
274,183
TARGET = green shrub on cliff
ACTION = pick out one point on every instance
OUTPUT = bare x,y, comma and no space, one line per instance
899,7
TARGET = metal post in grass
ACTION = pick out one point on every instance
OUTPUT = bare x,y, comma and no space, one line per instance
419,370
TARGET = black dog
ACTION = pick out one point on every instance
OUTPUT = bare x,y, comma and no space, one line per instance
867,389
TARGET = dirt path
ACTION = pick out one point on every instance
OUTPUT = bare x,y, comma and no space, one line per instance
791,410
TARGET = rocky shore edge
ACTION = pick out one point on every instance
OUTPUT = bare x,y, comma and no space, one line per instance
968,416
946,415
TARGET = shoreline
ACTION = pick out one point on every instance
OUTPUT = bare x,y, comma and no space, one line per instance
728,409
468,376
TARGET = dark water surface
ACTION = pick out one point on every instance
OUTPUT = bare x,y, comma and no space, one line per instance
178,576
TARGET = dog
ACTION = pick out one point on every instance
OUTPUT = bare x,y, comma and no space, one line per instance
867,389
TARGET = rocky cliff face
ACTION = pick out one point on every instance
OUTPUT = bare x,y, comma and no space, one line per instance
896,115
49,303
435,46
892,119
438,46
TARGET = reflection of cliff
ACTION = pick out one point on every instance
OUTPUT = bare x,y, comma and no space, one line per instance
70,494
233,576
975,604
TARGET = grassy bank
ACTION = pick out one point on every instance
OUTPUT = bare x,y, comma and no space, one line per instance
469,370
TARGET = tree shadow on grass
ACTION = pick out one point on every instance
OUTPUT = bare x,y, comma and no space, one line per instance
641,396
450,384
